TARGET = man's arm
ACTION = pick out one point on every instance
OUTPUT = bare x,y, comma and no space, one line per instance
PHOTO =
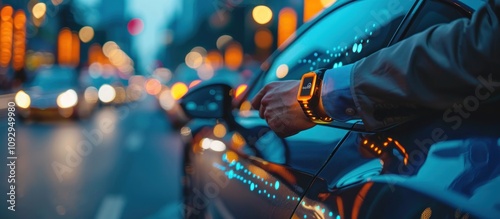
433,69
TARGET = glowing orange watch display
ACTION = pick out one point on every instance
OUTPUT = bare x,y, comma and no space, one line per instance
309,97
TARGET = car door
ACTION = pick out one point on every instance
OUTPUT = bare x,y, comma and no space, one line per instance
419,177
238,168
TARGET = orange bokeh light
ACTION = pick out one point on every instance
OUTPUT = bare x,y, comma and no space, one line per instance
287,24
153,86
240,89
312,8
214,59
233,56
263,38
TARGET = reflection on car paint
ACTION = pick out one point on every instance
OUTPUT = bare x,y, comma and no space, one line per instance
255,176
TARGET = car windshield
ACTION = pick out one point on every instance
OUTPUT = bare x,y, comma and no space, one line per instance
55,78
333,41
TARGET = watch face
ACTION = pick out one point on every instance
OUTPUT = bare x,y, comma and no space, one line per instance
307,86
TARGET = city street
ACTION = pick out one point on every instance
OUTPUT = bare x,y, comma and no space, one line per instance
122,162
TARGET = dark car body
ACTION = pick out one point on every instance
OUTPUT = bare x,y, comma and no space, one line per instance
235,167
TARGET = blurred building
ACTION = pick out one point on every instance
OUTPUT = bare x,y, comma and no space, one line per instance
217,25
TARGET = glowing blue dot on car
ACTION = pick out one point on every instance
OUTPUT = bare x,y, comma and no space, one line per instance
277,185
305,216
360,47
330,214
338,216
287,197
269,195
252,187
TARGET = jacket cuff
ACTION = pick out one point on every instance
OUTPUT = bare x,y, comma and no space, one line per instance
336,94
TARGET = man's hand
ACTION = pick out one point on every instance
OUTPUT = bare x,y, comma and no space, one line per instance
277,104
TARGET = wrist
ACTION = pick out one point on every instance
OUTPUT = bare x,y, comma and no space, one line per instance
309,97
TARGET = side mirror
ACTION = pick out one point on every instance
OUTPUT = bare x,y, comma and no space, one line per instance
210,101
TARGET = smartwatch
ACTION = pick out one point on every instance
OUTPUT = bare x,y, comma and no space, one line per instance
309,96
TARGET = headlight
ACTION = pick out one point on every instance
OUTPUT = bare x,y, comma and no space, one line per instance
22,99
67,99
106,93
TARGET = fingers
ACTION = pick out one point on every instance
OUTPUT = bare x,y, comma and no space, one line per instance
258,98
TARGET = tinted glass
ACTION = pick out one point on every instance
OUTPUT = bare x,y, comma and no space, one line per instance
432,13
345,35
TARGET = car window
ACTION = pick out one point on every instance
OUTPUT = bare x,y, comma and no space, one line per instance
434,12
343,36
54,77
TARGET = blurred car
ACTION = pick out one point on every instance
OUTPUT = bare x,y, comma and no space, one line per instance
54,92
235,167
111,88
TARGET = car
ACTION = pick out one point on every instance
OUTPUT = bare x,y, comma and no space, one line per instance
235,167
54,93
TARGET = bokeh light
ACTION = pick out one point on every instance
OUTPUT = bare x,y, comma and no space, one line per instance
194,83
240,89
214,59
282,71
262,14
205,72
263,38
39,10
201,50
178,90
135,26
222,41
287,24
164,74
67,99
327,3
167,102
56,2
233,56
153,86
220,130
106,93
109,47
22,99
86,34
91,95
194,59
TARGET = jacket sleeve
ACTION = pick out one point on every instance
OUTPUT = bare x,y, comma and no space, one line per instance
443,67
